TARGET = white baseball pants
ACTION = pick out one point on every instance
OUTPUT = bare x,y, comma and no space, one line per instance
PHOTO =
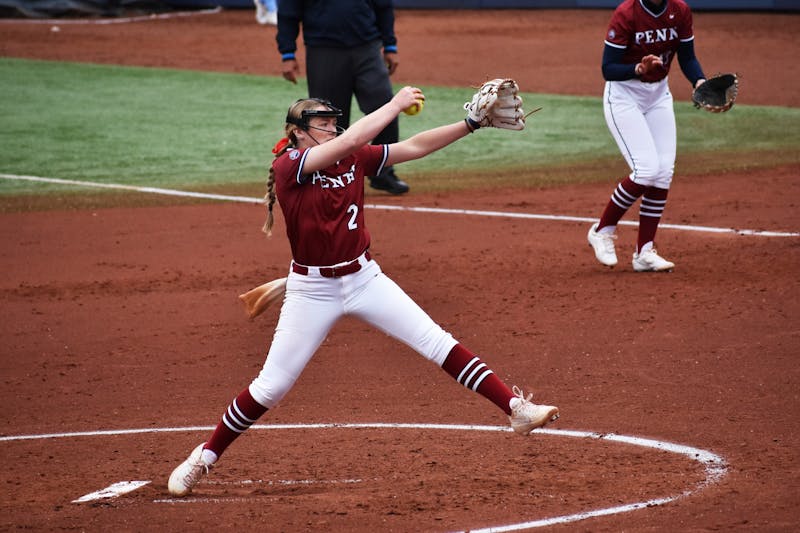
313,304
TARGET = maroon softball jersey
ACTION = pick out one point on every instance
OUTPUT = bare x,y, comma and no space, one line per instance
324,210
640,32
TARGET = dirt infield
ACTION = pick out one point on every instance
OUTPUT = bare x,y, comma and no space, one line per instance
126,318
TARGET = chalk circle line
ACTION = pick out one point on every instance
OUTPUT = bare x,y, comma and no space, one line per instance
112,20
714,465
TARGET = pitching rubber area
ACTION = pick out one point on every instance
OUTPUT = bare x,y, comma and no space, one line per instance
714,467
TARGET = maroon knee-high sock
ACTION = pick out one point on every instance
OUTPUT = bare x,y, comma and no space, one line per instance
653,203
623,197
468,369
242,413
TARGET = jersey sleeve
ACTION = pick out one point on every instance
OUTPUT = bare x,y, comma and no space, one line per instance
618,32
373,158
290,164
686,26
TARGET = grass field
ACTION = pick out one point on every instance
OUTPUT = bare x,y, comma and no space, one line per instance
210,131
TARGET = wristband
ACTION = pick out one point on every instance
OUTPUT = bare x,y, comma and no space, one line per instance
471,124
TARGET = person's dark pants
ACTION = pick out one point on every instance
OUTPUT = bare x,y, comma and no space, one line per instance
336,74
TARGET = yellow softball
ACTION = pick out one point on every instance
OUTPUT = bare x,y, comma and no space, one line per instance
414,109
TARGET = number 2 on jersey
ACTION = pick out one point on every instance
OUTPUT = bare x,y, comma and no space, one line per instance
353,210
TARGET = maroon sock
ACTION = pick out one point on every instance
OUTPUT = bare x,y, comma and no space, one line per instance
468,369
623,197
240,415
653,203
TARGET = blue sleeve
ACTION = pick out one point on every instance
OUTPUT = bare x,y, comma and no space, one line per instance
690,66
613,67
290,13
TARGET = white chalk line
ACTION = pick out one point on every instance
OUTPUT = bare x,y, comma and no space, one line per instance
243,499
116,20
151,190
469,212
714,465
178,501
124,487
272,483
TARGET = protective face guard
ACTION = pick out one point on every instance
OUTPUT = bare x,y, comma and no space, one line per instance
306,114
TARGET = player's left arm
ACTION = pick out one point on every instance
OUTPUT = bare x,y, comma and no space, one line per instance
426,142
690,65
496,104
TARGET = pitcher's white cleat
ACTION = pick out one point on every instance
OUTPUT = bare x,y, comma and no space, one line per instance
188,473
527,416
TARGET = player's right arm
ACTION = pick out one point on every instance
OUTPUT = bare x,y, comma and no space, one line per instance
360,132
614,69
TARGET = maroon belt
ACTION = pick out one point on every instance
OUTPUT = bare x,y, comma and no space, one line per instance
333,272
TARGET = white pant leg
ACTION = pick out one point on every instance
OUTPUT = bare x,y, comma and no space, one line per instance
311,307
383,304
624,106
661,122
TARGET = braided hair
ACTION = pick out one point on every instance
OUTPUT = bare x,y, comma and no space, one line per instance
281,147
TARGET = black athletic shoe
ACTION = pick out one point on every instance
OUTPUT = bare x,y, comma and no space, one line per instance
389,182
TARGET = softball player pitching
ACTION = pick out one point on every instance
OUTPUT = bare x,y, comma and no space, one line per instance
643,38
318,178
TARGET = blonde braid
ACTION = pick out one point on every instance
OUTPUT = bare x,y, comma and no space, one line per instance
270,198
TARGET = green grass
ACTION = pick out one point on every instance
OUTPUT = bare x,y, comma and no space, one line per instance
211,131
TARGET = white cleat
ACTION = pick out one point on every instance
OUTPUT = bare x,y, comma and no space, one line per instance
527,416
188,474
603,244
650,261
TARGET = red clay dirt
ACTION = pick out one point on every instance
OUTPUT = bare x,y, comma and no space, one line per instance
121,318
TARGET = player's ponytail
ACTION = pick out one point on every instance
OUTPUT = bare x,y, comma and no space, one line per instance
288,142
270,198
